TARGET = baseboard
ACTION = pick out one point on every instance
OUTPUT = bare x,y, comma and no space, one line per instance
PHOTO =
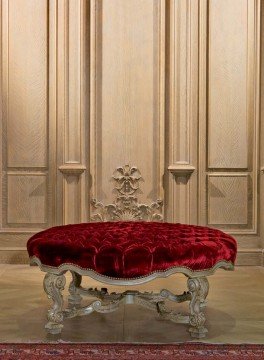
13,256
245,257
250,257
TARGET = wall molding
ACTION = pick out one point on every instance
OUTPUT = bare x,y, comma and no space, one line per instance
72,169
181,169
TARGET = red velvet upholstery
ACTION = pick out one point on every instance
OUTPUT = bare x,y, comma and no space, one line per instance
130,249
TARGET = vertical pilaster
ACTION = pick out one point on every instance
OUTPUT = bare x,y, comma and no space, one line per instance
72,108
182,86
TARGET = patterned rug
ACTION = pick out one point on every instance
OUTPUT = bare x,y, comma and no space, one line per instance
74,351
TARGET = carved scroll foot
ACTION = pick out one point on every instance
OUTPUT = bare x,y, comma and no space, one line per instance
53,286
198,288
75,299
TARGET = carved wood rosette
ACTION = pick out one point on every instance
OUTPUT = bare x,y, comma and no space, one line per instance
126,206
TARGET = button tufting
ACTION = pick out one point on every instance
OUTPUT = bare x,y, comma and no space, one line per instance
130,249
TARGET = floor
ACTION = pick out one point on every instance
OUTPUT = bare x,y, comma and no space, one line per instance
235,311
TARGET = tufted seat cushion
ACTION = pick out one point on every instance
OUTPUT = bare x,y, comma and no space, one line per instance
129,249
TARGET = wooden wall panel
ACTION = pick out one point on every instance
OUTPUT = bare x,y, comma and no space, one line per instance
25,114
224,191
229,116
127,93
25,66
227,82
26,199
27,127
169,86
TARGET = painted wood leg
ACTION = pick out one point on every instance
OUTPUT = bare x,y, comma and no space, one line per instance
53,286
205,291
198,288
75,298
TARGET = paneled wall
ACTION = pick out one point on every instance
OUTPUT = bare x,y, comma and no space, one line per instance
127,93
171,86
26,169
229,113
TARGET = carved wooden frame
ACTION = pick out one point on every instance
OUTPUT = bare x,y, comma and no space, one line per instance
126,207
103,302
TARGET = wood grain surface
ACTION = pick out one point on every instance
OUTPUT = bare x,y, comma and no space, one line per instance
127,93
172,87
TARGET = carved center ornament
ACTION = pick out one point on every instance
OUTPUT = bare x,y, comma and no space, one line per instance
126,206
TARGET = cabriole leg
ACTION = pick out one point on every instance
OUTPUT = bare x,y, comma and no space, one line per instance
198,288
75,298
204,292
53,286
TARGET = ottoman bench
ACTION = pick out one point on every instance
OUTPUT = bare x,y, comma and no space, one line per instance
126,244
130,253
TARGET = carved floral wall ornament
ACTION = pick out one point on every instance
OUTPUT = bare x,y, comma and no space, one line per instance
126,206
